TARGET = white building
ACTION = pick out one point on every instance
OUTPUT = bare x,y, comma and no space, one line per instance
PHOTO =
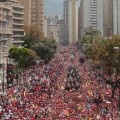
45,25
5,36
70,21
116,17
60,23
17,21
92,14
54,18
53,27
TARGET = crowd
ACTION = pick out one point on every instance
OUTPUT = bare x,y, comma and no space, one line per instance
63,89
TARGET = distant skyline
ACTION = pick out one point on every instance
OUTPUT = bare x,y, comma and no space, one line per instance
54,7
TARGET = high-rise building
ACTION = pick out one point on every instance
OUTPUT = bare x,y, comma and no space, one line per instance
80,20
5,35
61,30
17,21
92,14
108,18
54,18
34,13
116,17
27,11
45,26
53,27
70,21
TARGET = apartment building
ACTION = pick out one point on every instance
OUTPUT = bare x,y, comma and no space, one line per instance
108,18
5,35
92,14
80,20
53,27
116,17
61,30
17,21
70,21
34,13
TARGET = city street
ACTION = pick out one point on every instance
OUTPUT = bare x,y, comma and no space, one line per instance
62,89
59,59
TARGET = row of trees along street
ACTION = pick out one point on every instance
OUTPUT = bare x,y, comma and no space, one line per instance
35,48
104,54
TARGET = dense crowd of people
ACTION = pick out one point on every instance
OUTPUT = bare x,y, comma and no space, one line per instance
63,89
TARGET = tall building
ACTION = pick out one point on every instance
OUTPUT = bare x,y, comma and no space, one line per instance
53,27
70,21
61,30
55,30
45,25
80,20
17,21
5,35
116,17
34,13
108,18
27,11
54,18
92,14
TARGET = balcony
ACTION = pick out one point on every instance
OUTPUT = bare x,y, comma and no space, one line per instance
18,36
20,24
19,29
17,6
18,12
9,31
3,19
14,41
5,39
9,14
18,18
4,31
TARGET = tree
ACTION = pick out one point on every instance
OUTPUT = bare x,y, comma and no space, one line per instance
89,35
32,35
45,49
103,52
23,56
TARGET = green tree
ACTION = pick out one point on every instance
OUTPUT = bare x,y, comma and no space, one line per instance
103,52
45,49
89,35
32,35
23,56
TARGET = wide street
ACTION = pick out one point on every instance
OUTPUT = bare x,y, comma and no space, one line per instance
63,89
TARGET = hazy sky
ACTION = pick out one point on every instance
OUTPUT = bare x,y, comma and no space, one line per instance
53,6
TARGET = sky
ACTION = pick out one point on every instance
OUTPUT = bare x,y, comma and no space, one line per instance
53,7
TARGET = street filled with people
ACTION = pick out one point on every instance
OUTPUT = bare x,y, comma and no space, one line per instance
62,89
